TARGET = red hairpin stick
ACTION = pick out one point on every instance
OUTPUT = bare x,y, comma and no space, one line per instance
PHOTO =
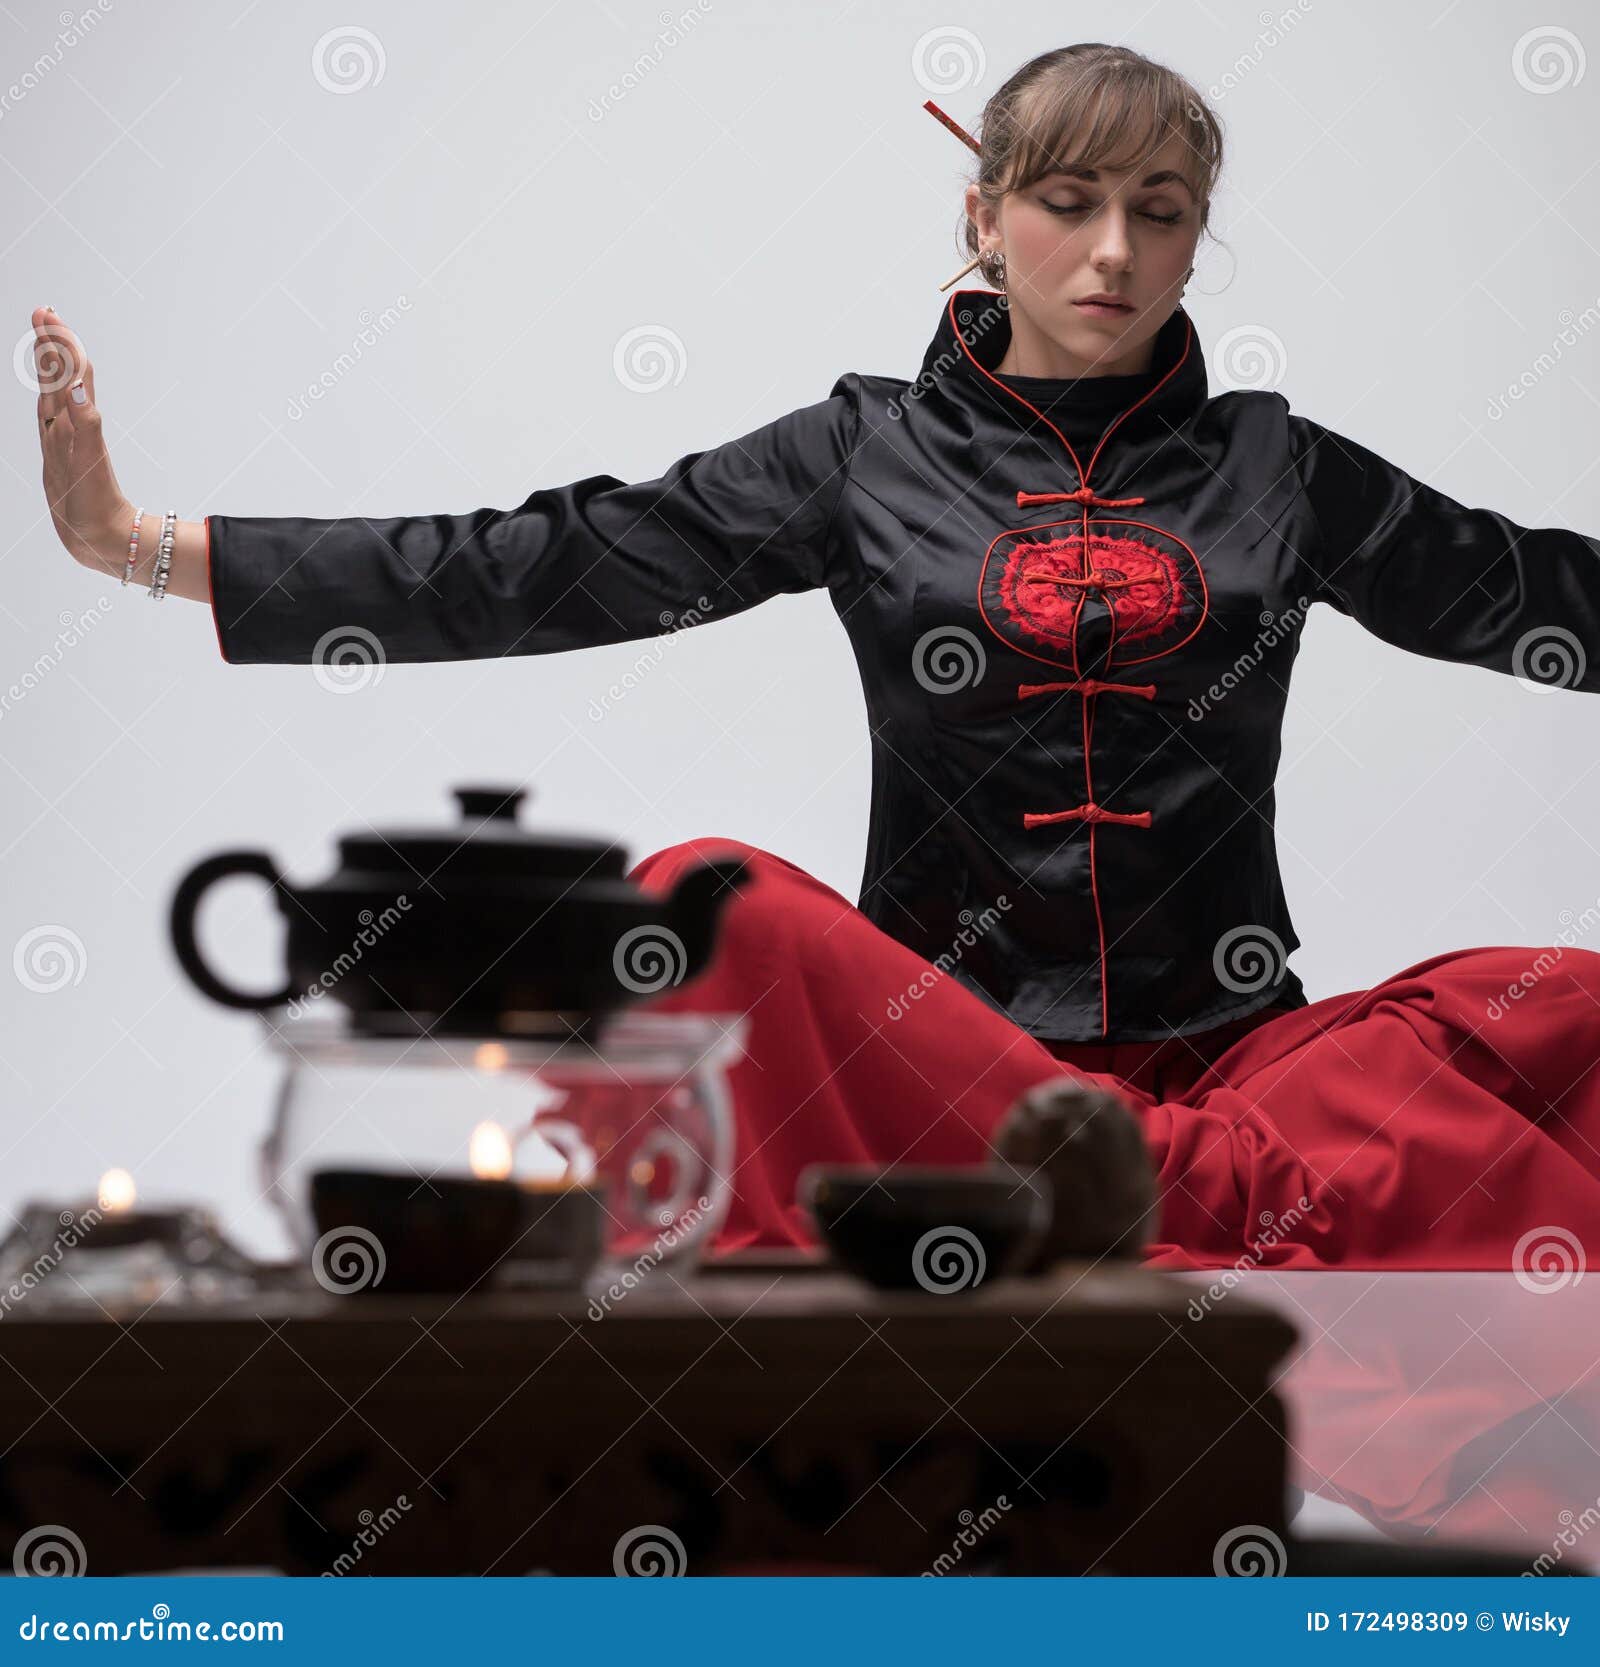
955,127
966,138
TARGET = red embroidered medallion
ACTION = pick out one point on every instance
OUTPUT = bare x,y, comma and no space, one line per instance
1037,580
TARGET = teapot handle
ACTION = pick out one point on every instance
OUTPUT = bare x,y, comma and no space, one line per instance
186,906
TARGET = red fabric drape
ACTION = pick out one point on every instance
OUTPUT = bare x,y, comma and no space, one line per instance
1404,1126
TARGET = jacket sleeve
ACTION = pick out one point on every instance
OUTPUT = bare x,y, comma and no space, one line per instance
1428,574
597,561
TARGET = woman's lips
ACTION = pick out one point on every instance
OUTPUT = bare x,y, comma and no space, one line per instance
1102,309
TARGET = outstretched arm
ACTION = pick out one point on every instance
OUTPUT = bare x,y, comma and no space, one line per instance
597,561
1431,575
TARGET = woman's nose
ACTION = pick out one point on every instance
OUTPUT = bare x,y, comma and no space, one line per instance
1111,246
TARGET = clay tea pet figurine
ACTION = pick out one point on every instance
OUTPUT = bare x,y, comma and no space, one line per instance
1086,1140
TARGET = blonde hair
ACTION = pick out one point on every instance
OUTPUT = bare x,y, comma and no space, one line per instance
1091,105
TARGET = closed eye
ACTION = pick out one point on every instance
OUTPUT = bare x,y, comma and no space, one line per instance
1082,208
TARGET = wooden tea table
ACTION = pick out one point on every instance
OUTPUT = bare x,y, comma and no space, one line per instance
762,1414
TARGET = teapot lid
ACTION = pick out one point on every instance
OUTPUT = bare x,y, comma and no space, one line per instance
486,843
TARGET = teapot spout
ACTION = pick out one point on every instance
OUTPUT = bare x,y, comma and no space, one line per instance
695,907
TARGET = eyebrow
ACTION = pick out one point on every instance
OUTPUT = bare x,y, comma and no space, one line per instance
1163,177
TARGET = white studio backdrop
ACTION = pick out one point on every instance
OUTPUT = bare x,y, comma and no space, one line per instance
447,222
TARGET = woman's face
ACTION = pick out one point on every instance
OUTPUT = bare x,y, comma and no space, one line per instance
1131,232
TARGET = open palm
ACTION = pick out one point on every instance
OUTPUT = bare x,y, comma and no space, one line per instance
92,515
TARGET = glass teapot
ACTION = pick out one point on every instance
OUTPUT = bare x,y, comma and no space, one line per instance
473,1085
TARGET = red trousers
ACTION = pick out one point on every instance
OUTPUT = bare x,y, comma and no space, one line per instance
1448,1117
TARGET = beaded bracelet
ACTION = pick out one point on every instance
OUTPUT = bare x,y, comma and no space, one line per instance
169,527
133,544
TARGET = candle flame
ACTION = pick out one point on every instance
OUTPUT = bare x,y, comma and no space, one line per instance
491,1056
116,1190
490,1152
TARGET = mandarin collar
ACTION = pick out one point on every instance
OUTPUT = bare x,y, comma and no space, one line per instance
974,332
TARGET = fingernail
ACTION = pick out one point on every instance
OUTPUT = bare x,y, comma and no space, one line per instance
80,395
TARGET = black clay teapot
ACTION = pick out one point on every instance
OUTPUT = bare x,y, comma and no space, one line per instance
484,928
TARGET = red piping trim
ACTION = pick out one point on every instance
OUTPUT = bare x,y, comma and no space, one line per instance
1088,812
1150,393
1089,804
988,376
211,593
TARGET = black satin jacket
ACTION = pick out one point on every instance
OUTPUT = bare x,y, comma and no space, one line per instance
1075,606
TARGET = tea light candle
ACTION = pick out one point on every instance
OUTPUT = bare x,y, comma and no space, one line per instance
117,1190
109,1249
456,1232
112,1220
489,1152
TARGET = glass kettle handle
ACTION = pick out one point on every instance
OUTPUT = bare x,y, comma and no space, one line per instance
567,1140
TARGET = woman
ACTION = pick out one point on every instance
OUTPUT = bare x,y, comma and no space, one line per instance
1075,587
